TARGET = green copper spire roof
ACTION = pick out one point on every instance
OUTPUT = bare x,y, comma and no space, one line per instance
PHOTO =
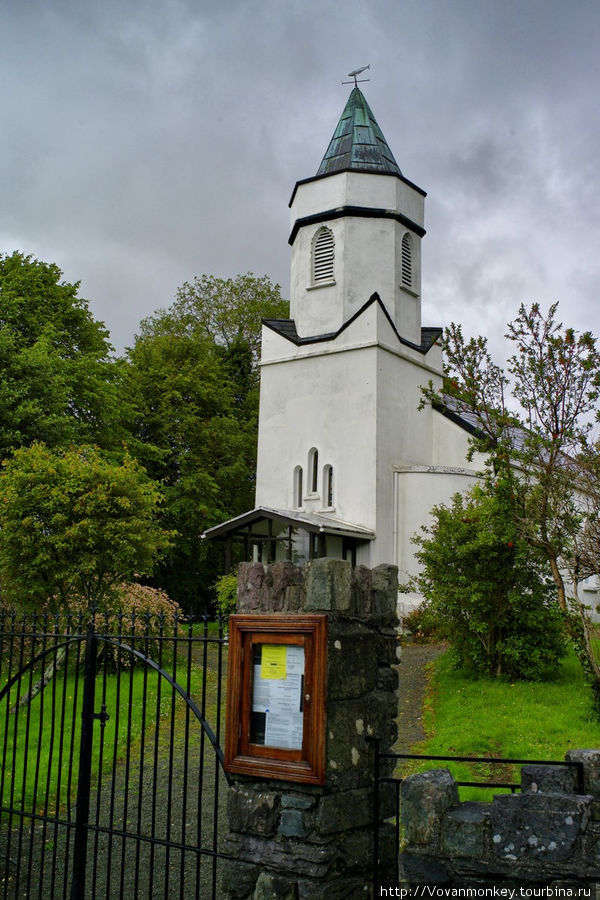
358,142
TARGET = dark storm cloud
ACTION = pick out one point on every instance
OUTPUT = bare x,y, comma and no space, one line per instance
147,142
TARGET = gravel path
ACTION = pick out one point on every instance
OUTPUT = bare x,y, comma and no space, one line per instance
411,693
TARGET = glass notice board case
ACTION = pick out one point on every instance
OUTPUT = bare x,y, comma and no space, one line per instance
276,688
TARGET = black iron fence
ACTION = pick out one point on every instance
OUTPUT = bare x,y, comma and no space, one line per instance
387,798
111,781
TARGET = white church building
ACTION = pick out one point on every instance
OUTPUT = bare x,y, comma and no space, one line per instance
348,465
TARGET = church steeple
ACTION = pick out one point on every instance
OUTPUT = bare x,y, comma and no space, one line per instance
358,142
356,229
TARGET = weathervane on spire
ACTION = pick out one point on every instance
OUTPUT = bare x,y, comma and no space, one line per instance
355,75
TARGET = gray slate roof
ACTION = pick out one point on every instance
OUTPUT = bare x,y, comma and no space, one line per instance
287,329
307,521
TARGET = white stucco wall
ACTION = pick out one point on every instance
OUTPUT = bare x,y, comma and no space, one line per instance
325,308
403,437
417,490
355,399
368,253
357,189
324,401
418,486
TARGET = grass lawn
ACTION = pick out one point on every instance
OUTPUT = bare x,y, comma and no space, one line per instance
486,717
41,773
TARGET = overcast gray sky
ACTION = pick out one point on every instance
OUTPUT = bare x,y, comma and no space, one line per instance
147,141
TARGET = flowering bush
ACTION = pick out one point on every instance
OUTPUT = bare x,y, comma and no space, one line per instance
145,619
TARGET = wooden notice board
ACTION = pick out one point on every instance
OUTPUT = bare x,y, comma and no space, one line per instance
276,689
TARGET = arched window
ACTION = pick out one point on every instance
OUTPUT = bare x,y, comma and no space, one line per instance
407,260
323,256
313,470
328,486
298,487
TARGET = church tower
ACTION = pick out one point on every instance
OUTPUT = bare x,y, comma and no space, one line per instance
340,380
356,229
348,465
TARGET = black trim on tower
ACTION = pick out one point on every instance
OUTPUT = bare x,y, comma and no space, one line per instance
287,329
361,212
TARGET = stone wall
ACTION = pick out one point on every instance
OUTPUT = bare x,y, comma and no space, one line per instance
548,834
298,842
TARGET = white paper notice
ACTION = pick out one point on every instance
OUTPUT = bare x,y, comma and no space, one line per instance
281,701
261,699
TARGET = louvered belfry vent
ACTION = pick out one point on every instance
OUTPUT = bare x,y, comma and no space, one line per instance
323,256
406,260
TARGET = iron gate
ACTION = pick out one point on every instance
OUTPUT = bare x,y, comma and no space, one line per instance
112,780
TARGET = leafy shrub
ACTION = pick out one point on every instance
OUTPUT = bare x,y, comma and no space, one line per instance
421,624
487,587
226,594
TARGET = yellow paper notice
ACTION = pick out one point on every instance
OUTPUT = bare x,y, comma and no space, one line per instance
273,663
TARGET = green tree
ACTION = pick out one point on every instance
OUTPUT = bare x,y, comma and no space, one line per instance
192,377
228,311
540,440
585,561
555,378
486,588
59,382
74,525
190,437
